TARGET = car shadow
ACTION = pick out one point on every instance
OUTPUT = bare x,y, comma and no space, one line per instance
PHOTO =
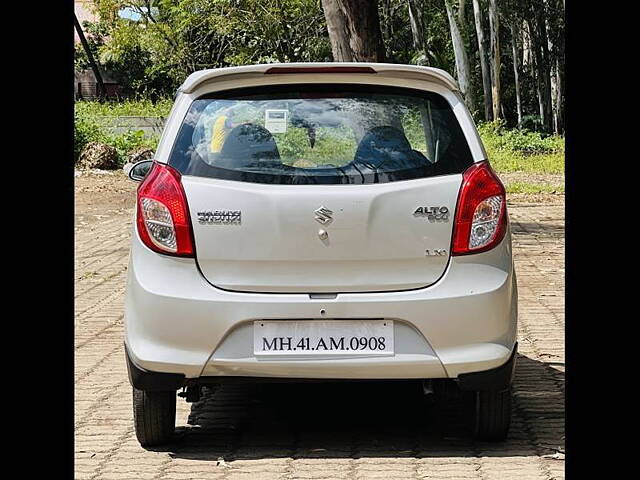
553,228
364,419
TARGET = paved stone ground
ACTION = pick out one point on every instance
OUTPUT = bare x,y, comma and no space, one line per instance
351,431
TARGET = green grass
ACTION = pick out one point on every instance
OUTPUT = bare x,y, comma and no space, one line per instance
507,162
522,151
126,108
521,187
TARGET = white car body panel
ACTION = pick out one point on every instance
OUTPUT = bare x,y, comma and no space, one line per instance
451,315
374,242
176,322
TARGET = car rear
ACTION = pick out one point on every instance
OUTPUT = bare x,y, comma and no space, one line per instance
321,221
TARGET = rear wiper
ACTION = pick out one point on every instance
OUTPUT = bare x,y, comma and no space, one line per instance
344,174
370,166
302,172
359,171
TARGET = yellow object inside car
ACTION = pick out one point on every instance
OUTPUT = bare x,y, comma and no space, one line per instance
219,132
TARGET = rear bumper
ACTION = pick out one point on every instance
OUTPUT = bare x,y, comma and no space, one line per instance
177,323
498,378
152,381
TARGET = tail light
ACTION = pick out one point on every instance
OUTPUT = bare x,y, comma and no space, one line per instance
481,213
163,215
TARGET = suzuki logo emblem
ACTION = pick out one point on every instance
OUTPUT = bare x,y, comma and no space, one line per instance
323,215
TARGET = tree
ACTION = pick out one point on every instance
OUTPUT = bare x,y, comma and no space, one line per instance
417,27
354,30
516,72
338,32
152,55
540,48
518,69
407,23
484,67
494,29
462,18
555,31
462,61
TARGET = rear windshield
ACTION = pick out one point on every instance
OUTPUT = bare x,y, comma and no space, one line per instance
329,134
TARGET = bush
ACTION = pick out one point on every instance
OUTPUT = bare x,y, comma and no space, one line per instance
520,140
530,143
85,130
521,150
128,142
88,126
532,122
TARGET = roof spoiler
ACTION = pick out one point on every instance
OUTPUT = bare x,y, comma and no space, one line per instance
416,72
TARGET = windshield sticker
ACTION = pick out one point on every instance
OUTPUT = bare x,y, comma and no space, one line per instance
276,120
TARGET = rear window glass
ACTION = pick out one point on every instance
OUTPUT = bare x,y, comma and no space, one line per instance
310,134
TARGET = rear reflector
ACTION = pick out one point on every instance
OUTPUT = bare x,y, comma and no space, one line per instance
336,69
163,215
481,213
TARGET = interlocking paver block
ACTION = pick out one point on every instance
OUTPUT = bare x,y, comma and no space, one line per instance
263,433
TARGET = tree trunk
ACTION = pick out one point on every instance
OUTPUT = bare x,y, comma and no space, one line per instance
541,108
494,29
486,74
560,83
555,35
552,76
535,57
540,50
462,18
526,46
554,101
354,27
516,74
559,99
546,69
417,27
462,62
338,33
386,27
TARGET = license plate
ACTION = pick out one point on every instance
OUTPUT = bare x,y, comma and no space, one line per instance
323,337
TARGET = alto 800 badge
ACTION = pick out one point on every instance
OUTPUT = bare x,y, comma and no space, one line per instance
433,214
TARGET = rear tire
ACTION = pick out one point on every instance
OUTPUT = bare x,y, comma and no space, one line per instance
154,415
492,415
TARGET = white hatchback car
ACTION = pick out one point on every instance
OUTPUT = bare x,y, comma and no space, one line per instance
319,221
